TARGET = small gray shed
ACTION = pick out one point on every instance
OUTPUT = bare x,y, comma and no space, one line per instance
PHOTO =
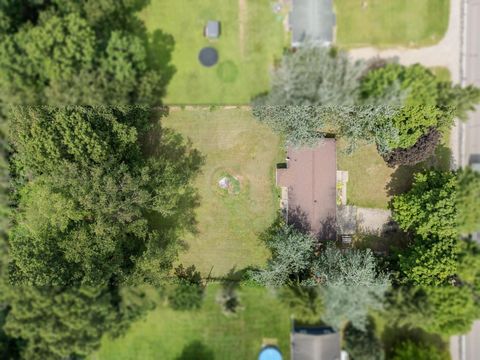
212,29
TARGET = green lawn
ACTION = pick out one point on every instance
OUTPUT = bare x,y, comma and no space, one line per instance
252,38
234,144
167,334
442,73
368,176
387,23
372,183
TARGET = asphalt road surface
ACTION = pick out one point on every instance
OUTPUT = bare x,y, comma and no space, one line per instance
472,76
467,347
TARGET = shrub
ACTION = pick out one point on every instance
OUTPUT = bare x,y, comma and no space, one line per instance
188,291
409,350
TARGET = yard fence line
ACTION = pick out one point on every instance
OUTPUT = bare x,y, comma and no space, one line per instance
212,107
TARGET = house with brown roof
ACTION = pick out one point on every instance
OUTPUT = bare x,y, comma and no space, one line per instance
308,182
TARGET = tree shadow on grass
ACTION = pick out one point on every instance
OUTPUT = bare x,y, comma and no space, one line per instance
196,350
182,164
179,164
159,56
402,179
393,336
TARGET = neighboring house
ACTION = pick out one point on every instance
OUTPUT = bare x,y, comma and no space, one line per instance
313,21
315,343
309,191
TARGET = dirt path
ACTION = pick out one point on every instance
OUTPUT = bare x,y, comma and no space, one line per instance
242,20
446,53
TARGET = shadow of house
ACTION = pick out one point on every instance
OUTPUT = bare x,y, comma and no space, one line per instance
309,191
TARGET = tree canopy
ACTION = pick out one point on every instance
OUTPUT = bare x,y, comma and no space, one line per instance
291,260
351,286
85,52
418,113
310,85
401,109
429,213
101,196
88,196
54,323
363,345
446,310
410,350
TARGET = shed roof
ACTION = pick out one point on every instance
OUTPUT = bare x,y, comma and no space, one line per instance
315,344
212,30
312,20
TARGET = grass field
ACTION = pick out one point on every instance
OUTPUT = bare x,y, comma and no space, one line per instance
205,334
235,145
372,183
387,23
442,73
368,176
252,37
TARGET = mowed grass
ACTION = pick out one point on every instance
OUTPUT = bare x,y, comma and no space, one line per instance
387,23
442,73
229,224
368,176
372,183
205,334
252,37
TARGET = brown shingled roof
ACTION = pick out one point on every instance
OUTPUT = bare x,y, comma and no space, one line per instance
310,177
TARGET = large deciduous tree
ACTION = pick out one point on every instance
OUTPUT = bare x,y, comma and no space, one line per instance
96,214
88,195
363,345
446,310
59,323
417,114
291,259
61,53
429,213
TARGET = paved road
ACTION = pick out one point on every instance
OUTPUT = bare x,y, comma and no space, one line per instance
467,347
472,76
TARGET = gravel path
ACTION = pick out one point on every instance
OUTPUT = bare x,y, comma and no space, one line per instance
372,221
446,53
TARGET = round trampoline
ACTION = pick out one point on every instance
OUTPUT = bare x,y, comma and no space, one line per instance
208,56
270,353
